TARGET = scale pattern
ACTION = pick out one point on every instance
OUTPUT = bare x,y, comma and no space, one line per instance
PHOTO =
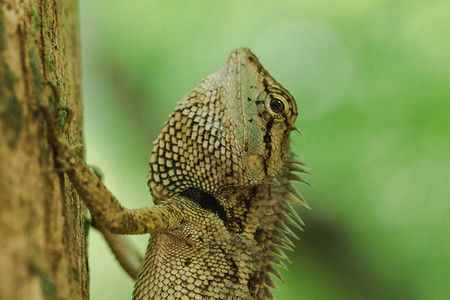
197,262
223,158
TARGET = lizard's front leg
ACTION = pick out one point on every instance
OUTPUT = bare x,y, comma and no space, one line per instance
104,207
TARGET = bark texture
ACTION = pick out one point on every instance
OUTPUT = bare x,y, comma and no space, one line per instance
42,220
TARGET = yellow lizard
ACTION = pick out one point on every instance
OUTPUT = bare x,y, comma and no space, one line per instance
220,176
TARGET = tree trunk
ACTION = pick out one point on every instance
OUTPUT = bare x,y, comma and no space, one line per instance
42,220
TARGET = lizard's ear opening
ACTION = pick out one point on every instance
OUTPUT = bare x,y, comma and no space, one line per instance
255,166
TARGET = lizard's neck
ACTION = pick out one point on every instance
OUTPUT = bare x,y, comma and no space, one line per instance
255,215
244,207
259,215
226,243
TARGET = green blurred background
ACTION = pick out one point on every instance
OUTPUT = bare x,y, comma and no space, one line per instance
372,82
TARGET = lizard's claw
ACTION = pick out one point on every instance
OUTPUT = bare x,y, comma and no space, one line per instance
63,114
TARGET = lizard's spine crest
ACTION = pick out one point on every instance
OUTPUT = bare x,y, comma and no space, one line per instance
283,217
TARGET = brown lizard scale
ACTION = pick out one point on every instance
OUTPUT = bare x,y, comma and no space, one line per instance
220,175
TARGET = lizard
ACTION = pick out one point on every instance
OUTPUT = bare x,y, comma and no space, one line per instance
221,175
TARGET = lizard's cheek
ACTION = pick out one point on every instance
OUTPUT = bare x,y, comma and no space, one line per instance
256,165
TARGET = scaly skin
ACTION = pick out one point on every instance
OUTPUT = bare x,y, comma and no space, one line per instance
220,177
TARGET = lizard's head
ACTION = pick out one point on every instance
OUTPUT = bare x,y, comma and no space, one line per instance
261,114
232,130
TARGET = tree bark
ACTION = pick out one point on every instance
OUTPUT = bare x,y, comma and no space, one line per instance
42,220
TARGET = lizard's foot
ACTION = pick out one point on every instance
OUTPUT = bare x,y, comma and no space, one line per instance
58,118
65,162
61,114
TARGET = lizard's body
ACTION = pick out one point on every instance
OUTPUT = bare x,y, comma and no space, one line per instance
219,176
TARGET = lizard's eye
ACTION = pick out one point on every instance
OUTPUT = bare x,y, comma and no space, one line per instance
277,106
